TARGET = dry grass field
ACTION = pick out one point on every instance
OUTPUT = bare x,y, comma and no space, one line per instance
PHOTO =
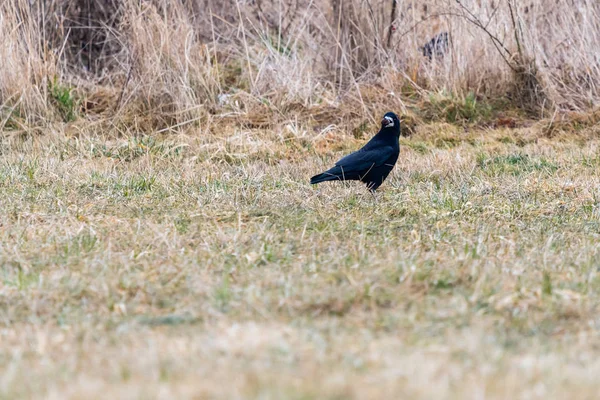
205,266
159,238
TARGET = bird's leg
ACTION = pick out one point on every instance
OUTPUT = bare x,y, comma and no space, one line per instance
373,194
372,191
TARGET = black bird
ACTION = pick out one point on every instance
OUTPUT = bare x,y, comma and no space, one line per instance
437,46
371,164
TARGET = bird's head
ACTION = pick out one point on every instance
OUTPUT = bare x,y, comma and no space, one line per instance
390,121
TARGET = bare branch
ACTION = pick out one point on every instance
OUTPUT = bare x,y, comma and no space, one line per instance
472,18
516,28
392,20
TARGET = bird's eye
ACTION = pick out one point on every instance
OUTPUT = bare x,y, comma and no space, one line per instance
387,122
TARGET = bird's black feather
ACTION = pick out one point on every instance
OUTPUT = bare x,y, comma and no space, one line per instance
372,163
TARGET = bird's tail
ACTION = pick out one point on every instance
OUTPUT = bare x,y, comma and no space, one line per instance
325,176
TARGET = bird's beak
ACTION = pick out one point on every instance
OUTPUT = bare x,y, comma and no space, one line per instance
387,121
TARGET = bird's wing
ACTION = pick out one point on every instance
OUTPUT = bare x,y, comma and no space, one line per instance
362,160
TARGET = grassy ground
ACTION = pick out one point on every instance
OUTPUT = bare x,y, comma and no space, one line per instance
206,266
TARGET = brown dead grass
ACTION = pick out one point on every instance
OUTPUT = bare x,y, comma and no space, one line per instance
172,63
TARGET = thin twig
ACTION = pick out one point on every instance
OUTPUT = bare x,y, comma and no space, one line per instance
237,4
132,63
516,29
